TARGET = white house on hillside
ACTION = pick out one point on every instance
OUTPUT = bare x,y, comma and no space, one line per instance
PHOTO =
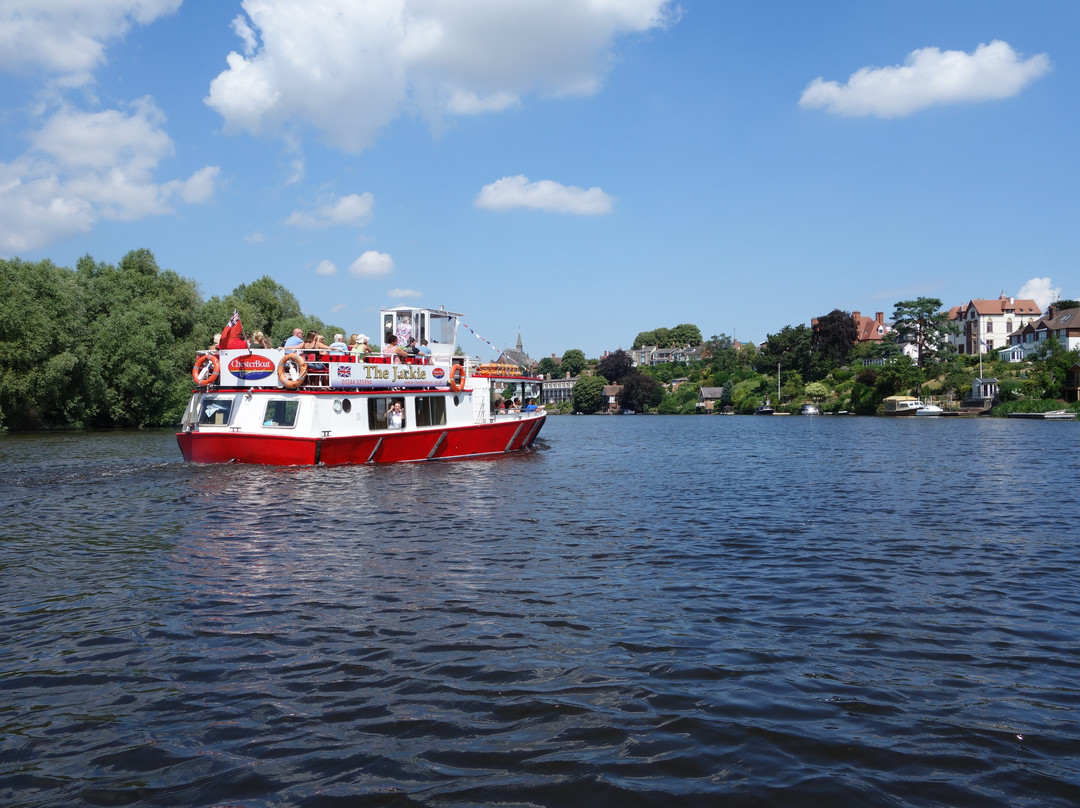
985,325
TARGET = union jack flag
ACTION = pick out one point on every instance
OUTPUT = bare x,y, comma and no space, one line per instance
231,330
344,371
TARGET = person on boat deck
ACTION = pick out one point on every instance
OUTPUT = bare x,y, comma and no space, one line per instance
424,350
360,344
259,340
404,329
217,341
393,350
530,405
411,348
313,342
238,342
339,343
296,340
395,416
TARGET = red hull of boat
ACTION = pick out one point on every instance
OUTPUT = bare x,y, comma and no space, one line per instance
385,447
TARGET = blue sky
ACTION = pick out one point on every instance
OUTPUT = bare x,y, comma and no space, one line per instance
576,170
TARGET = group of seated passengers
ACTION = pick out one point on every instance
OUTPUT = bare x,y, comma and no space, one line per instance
313,341
392,348
514,405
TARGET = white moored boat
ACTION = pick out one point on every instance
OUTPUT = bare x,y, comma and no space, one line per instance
302,407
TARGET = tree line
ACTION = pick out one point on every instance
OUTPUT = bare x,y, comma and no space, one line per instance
824,364
112,346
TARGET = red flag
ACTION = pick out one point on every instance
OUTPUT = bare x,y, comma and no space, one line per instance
231,331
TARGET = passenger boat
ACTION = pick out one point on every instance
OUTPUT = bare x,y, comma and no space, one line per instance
300,407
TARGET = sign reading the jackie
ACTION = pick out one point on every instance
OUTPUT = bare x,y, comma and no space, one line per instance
360,374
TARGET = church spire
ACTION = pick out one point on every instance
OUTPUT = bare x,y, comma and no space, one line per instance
519,342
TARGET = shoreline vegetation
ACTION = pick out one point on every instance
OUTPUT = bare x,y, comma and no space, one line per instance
103,346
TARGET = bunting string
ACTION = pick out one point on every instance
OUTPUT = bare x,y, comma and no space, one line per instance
471,331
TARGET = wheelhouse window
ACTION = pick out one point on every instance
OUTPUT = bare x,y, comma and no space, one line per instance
431,411
380,409
215,410
281,413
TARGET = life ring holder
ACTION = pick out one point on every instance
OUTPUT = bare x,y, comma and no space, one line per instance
457,378
283,371
200,364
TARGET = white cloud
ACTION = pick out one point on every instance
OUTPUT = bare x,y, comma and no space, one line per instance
85,166
69,37
1040,290
372,264
353,210
400,293
348,69
256,237
518,192
326,268
928,77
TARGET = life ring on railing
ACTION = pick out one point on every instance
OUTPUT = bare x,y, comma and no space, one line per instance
283,370
457,378
198,373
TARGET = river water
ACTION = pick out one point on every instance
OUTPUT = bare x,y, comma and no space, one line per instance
644,611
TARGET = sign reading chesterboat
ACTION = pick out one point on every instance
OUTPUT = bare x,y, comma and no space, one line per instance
364,374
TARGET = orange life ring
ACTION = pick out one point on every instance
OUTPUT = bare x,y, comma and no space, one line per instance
283,371
200,364
457,378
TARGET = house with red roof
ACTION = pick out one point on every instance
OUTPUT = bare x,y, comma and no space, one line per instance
1063,325
985,325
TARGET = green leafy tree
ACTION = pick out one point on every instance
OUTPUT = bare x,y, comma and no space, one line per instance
685,334
792,348
267,305
817,390
616,366
1063,305
1051,363
680,335
922,322
588,393
549,367
644,338
43,353
640,392
573,362
898,376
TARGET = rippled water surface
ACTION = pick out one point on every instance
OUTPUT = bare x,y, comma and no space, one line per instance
644,611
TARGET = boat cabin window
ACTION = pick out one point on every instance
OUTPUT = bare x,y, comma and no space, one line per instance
430,410
216,411
379,408
281,413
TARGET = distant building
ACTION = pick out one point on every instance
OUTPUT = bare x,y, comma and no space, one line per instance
557,391
517,356
649,355
709,398
611,397
870,330
985,325
1063,325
